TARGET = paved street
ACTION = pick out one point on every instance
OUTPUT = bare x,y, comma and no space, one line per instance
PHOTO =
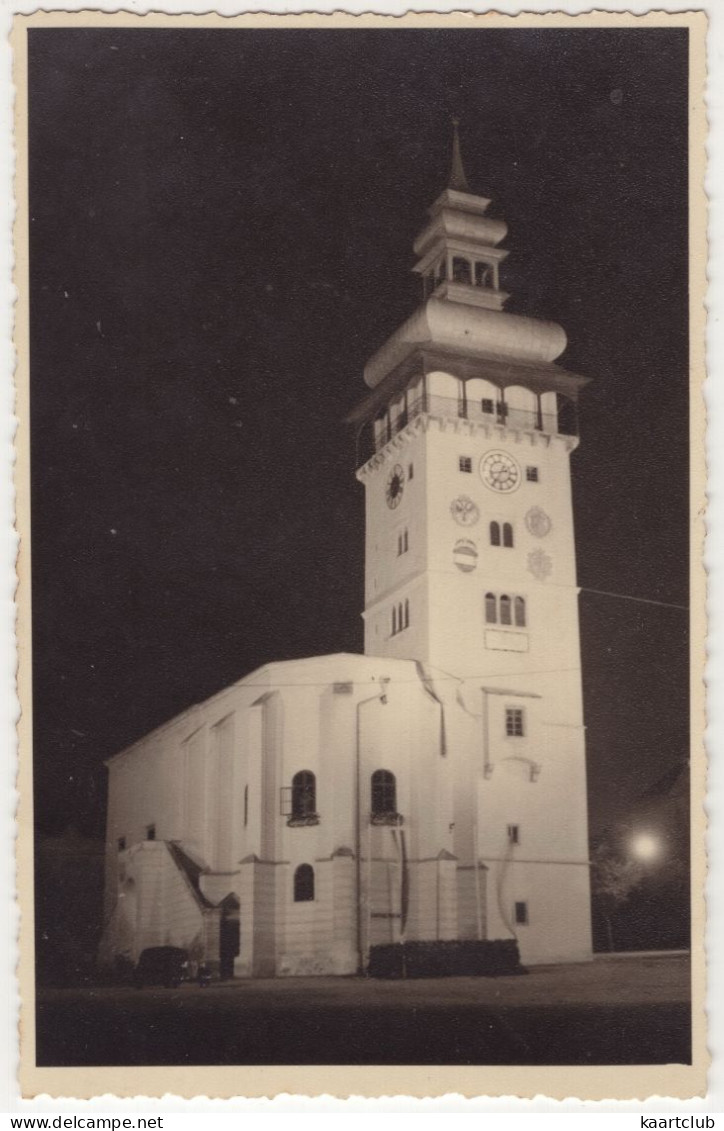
622,1010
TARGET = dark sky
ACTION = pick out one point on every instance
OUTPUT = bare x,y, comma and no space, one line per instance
221,229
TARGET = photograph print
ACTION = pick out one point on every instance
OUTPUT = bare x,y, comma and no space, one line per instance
359,465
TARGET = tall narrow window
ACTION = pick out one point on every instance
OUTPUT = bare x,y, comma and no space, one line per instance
514,722
384,793
495,534
507,535
505,610
150,832
246,805
304,884
121,843
304,794
405,542
519,609
491,609
407,613
394,620
514,834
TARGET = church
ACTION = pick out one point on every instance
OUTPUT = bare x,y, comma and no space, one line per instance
433,790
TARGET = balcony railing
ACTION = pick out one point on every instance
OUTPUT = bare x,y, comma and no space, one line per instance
503,415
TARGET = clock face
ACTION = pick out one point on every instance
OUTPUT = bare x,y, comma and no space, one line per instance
464,511
499,471
395,486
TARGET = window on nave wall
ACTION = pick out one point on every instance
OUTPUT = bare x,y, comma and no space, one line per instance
384,792
304,794
304,884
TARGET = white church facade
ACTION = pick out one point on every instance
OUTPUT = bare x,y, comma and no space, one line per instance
432,790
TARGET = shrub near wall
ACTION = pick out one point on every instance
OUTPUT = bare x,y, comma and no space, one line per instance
445,959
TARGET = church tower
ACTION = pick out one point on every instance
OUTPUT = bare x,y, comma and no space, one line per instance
466,439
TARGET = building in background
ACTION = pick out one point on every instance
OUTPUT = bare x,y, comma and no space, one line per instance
432,790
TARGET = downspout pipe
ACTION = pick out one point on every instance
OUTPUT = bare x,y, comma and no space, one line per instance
380,696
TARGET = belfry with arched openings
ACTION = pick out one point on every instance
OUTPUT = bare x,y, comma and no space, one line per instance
432,790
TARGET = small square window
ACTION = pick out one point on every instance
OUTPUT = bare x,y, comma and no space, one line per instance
465,463
514,834
531,474
488,406
521,913
514,722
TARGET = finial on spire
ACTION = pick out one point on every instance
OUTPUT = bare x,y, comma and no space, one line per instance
458,181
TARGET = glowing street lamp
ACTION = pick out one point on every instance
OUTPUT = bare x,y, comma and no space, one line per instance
646,847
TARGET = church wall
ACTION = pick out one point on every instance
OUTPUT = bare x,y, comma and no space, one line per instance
432,746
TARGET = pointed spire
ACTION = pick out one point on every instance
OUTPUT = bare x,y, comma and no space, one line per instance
458,181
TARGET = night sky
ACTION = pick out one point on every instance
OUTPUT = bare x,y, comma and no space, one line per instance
220,236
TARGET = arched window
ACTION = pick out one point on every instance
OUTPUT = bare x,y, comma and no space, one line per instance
304,883
491,609
407,613
384,793
507,534
482,275
304,794
461,270
495,534
519,606
505,610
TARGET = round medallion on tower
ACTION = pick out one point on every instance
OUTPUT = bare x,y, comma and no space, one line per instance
538,522
499,471
395,486
465,555
464,511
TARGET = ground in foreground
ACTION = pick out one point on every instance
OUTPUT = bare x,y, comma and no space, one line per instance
624,1010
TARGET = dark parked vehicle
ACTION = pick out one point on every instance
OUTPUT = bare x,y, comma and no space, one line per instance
161,966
